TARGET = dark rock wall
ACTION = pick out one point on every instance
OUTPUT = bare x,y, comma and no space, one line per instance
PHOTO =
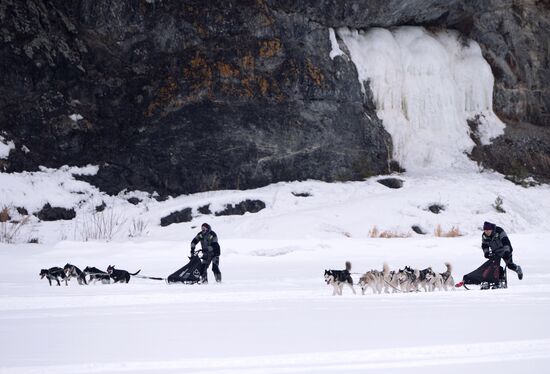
186,96
182,96
514,36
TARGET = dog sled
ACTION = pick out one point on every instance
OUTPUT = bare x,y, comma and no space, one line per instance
189,274
490,275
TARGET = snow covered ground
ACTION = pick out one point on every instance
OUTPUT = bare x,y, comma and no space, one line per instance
273,313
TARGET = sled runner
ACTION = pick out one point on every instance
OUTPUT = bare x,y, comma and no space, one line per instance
490,275
190,273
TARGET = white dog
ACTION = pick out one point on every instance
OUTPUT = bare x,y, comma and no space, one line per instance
373,279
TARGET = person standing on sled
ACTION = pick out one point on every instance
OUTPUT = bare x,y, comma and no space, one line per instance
210,252
495,244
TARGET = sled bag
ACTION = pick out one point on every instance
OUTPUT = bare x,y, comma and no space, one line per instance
490,271
190,273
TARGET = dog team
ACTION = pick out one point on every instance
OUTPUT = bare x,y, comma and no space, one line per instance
402,280
70,271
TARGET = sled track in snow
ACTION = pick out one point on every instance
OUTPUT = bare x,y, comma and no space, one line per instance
375,359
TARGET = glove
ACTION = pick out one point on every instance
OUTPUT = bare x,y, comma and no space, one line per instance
192,250
489,254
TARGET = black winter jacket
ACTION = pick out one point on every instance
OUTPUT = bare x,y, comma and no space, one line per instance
209,243
496,244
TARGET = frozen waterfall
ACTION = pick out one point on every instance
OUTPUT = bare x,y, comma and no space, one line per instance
425,86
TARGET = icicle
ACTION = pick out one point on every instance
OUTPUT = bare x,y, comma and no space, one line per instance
425,87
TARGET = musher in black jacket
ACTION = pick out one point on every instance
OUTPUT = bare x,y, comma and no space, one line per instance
495,243
210,252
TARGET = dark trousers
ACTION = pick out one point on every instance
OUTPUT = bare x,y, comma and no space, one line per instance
507,257
208,258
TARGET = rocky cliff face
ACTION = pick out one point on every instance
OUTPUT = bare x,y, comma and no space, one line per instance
179,96
513,35
185,96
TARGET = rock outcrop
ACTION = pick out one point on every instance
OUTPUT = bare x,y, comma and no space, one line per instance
178,97
184,215
49,213
186,96
246,206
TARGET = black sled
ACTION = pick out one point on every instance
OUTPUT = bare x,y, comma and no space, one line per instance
189,274
490,275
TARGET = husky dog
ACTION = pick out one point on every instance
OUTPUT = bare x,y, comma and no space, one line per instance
373,279
53,274
434,280
73,271
447,278
424,279
121,276
408,279
442,280
391,279
337,278
415,278
97,275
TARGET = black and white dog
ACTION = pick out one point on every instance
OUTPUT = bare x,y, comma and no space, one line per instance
408,279
121,276
97,275
447,278
72,271
338,278
425,279
53,274
441,280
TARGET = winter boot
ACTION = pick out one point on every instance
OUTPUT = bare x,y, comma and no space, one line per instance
484,286
520,272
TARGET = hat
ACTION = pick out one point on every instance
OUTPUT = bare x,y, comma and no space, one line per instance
206,225
488,226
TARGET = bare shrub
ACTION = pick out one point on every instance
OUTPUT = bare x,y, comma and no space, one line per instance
393,234
373,233
138,228
452,233
102,225
4,214
10,232
498,205
387,234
